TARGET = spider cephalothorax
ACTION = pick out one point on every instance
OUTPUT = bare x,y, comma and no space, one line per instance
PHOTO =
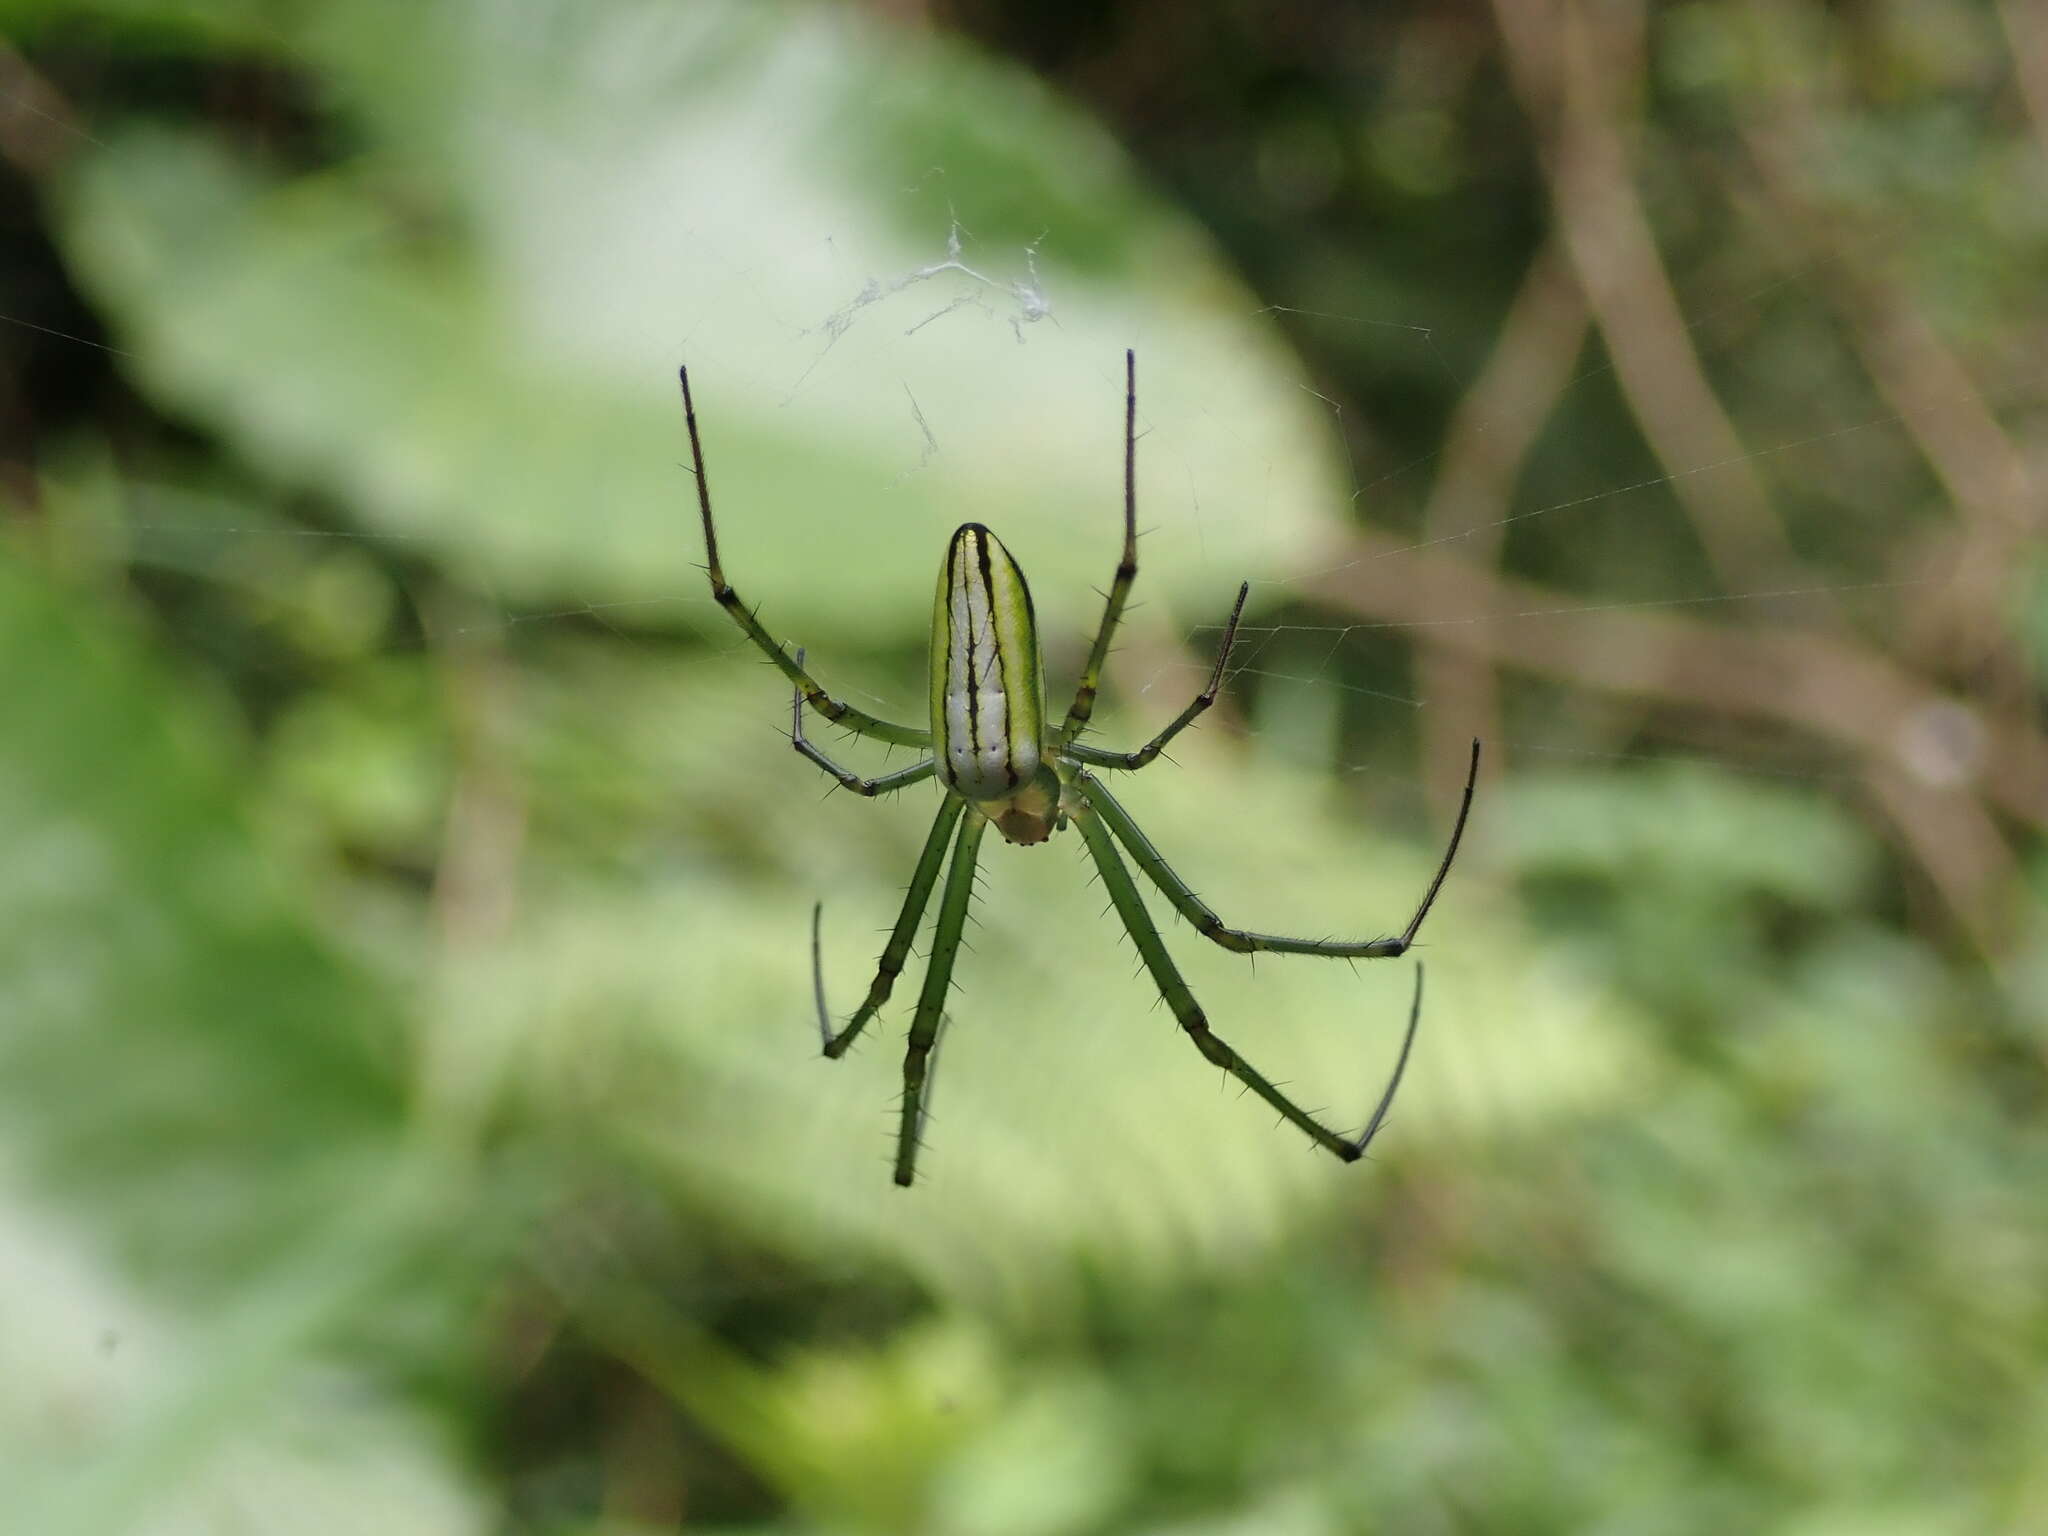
999,764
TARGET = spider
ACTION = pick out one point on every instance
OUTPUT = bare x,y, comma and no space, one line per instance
999,764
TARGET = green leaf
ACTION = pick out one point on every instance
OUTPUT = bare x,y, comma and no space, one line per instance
202,1120
467,335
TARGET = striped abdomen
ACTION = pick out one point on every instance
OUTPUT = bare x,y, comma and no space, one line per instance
987,697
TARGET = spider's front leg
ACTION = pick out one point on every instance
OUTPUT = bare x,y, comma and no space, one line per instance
884,784
839,711
1083,707
1097,757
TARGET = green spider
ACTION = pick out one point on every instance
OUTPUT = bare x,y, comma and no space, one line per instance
990,748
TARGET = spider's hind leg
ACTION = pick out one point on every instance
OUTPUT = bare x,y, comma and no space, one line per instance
1130,908
1202,917
896,953
931,999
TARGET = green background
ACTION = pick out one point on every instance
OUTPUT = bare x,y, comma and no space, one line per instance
410,1116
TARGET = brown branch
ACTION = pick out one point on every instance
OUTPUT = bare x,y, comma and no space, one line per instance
1818,685
2026,27
464,1058
1490,435
1566,87
1939,405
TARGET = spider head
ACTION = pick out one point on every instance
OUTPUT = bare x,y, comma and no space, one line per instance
1032,814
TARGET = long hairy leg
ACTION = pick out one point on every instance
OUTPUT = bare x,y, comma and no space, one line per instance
1097,757
837,710
931,1000
1126,569
896,953
1130,908
1243,941
882,784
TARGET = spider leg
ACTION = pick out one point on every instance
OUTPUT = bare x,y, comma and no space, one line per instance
886,784
1126,569
856,720
1097,757
896,953
931,999
1242,941
1379,1114
1130,908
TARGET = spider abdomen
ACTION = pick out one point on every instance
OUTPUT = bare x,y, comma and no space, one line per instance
988,716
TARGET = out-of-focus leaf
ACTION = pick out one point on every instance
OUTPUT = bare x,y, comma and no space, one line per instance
610,190
1687,826
174,1029
117,1414
202,1116
1678,879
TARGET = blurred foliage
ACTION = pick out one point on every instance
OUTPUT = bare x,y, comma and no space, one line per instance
409,1116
